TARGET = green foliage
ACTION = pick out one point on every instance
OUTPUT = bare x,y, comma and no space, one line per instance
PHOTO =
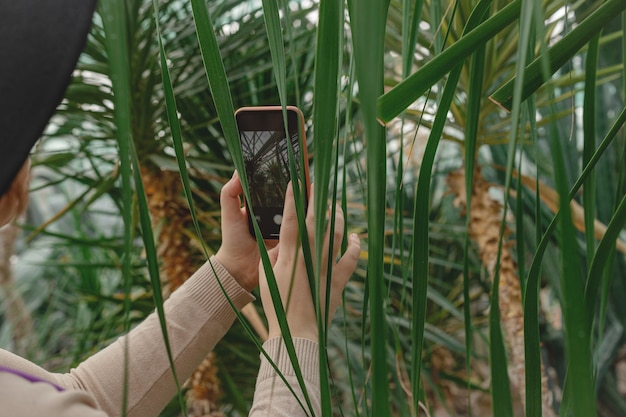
166,89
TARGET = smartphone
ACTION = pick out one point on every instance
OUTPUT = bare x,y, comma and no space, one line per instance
265,147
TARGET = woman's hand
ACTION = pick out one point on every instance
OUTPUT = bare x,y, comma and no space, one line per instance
291,276
239,252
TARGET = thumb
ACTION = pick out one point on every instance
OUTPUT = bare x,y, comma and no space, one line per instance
229,196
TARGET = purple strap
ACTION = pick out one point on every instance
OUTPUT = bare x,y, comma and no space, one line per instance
28,377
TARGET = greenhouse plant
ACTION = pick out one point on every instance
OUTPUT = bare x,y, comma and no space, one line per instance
477,148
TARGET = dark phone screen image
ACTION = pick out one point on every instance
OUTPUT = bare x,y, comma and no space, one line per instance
266,159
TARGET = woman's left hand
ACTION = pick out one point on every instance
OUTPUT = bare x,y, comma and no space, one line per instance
239,252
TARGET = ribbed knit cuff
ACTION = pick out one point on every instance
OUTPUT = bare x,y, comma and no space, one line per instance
307,352
204,287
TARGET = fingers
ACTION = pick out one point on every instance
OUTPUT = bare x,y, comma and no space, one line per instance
229,196
289,226
347,264
342,273
338,232
233,186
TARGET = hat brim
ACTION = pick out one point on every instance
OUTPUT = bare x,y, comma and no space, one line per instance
40,43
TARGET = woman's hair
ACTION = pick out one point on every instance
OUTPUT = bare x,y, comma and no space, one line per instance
14,201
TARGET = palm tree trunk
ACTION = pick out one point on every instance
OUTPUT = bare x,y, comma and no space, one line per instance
484,229
171,218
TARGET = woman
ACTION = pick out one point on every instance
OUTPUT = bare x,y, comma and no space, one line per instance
41,43
198,315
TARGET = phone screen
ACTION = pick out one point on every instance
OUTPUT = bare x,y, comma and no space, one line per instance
266,158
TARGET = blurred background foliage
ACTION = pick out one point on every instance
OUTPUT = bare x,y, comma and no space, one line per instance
63,291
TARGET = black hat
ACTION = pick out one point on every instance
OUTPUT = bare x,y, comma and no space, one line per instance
40,41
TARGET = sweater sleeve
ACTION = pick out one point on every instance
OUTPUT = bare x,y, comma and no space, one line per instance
272,397
197,314
20,397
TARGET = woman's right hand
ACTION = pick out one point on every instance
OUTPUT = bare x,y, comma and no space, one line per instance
287,260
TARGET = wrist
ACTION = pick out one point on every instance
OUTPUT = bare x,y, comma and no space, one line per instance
242,273
300,332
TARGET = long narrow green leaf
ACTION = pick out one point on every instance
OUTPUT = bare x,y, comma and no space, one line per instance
422,203
589,137
396,100
273,28
368,18
271,15
325,107
410,25
474,104
500,388
578,391
533,273
411,16
576,318
619,190
365,306
602,254
421,235
153,270
560,52
533,390
477,68
436,13
277,50
336,17
344,206
530,299
175,129
532,359
220,90
114,21
292,52
421,215
218,83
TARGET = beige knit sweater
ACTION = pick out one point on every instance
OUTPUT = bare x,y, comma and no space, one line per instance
198,315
